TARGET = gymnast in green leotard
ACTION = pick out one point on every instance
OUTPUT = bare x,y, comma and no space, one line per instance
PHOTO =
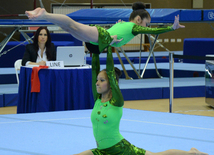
118,35
107,111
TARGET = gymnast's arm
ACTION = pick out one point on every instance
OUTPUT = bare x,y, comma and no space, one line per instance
146,30
137,29
95,72
117,97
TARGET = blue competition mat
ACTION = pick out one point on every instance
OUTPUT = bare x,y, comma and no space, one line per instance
70,132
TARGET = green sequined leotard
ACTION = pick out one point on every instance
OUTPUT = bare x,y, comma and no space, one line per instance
106,116
125,30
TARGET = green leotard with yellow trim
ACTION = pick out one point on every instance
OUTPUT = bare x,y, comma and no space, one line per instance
106,116
125,30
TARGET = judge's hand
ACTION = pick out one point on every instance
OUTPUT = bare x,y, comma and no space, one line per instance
42,63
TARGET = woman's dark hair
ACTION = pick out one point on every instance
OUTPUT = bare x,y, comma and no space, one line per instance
118,73
47,44
139,9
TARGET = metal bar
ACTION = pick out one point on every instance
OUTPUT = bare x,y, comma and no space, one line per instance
13,15
34,4
91,4
121,62
150,52
127,58
17,25
147,61
156,66
161,45
5,41
140,53
171,78
155,41
26,37
41,4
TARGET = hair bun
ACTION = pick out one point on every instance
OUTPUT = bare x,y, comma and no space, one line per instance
117,71
138,6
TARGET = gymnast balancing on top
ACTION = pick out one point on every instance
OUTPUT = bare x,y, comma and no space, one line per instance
118,35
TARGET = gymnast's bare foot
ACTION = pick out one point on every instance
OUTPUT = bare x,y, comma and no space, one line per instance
194,150
176,24
38,13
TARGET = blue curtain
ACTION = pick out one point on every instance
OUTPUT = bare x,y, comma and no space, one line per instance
60,89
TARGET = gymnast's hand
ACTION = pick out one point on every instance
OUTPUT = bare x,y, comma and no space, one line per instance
119,21
176,24
38,13
115,40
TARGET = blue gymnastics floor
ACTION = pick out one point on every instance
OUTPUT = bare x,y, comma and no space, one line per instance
70,132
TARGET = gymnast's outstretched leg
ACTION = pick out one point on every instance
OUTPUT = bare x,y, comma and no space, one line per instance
80,31
193,151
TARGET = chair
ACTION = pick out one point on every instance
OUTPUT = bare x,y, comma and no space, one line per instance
17,66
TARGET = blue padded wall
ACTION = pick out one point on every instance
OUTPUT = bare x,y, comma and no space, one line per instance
183,92
142,94
10,99
190,15
8,60
60,37
8,79
198,47
1,100
208,15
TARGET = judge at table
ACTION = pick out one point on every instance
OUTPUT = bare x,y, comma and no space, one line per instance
41,50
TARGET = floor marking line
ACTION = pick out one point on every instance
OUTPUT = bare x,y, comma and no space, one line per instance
169,124
121,119
193,110
43,120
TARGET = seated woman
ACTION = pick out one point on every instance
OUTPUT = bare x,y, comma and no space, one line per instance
41,50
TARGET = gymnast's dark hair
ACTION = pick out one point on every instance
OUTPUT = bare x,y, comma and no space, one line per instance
118,73
47,44
139,9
